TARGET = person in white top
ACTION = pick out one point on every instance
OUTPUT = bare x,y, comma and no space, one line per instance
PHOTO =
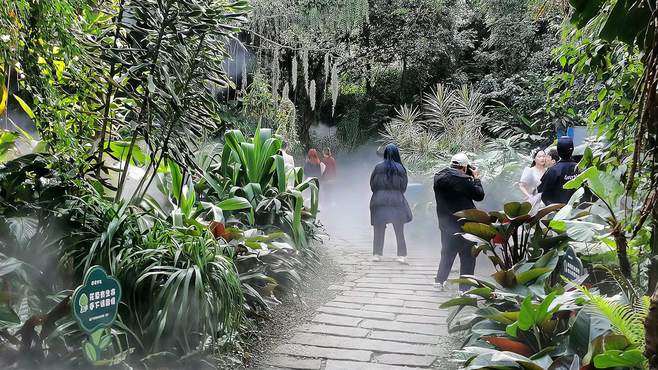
288,164
531,178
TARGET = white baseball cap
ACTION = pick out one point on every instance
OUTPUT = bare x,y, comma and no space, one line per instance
459,159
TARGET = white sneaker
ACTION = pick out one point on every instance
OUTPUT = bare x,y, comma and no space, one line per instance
401,260
375,258
440,286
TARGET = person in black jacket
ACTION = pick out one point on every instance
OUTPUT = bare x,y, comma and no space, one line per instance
552,183
388,205
455,189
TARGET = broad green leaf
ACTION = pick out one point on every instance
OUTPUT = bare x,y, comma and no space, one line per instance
90,351
483,231
631,359
516,209
4,95
584,11
8,316
176,181
460,301
532,274
483,292
25,106
475,215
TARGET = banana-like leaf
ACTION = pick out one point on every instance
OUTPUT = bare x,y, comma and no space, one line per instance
483,231
516,209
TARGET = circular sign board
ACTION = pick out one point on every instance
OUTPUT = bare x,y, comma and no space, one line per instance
96,301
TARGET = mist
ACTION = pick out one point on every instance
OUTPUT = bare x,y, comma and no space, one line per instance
345,211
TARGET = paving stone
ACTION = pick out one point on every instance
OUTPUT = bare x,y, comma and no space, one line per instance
417,304
354,306
397,359
405,327
404,337
366,300
421,319
395,286
349,284
346,331
384,290
378,308
360,293
296,363
384,346
419,298
336,320
420,281
322,352
435,293
436,312
357,313
373,280
428,276
351,365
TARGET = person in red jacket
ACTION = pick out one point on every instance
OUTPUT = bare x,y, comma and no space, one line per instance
329,176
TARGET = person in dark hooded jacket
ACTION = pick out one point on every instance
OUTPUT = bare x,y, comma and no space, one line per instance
455,189
388,205
552,183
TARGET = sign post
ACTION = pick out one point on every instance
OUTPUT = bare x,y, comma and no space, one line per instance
95,304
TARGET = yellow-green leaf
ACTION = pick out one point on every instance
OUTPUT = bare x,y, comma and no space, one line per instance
26,108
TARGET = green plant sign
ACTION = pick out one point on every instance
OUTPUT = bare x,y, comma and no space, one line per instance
96,301
95,305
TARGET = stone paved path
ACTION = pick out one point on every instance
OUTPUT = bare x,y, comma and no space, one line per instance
386,316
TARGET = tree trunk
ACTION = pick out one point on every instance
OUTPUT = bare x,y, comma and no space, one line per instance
622,251
651,333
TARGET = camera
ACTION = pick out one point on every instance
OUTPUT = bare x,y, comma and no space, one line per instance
470,169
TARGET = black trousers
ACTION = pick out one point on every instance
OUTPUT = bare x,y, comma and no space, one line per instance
378,242
451,246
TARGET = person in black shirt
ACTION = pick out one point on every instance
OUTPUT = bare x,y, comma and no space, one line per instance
455,189
552,183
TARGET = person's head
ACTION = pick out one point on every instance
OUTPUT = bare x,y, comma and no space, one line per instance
552,157
284,146
392,159
392,153
327,152
538,158
312,156
565,147
459,161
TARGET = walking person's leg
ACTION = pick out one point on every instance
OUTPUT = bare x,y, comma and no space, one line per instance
402,244
378,240
466,261
449,252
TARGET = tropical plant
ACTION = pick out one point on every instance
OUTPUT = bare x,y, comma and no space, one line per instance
517,324
453,123
511,236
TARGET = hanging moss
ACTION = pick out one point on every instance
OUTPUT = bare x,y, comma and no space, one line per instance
327,69
275,72
311,94
294,72
285,92
244,76
335,88
305,68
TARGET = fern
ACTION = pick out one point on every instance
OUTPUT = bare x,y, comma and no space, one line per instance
627,320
